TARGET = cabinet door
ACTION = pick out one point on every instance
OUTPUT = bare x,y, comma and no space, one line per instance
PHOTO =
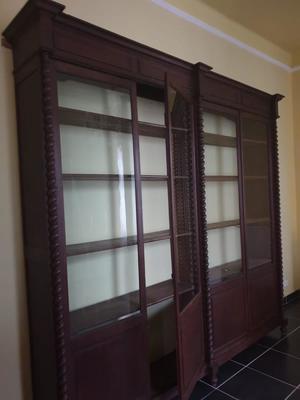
186,274
262,275
103,229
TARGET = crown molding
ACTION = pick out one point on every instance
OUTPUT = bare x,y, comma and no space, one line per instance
217,32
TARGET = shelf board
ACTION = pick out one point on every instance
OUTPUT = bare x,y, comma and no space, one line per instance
181,177
219,140
153,130
69,116
155,236
254,177
253,263
224,271
111,244
223,224
111,177
255,141
253,221
220,178
184,234
117,307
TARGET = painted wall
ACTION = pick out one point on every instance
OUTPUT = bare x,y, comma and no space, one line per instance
145,22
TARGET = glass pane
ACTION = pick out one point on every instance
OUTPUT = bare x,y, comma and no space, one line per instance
99,201
222,201
96,98
220,160
95,151
158,264
222,197
155,206
151,111
218,124
153,155
99,210
102,286
182,141
257,191
224,252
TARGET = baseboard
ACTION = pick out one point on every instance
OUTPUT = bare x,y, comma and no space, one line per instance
291,297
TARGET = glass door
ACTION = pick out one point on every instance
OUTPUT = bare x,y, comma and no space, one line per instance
222,195
184,235
103,230
256,191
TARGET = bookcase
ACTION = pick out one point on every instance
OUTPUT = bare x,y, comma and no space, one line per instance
150,196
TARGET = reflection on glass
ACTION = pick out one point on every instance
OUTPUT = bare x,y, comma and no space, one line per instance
155,206
257,191
222,201
102,286
218,124
99,201
222,196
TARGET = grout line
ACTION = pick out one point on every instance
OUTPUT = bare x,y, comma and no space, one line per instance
273,377
227,394
287,354
292,392
280,340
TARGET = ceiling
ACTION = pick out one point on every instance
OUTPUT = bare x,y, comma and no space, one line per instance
275,20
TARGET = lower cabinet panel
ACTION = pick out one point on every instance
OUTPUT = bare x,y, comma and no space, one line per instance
263,295
114,369
229,312
191,327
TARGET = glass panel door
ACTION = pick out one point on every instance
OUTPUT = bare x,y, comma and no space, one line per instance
184,233
256,191
98,172
222,196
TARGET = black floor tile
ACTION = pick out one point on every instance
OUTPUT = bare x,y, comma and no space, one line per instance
252,385
249,354
293,310
295,395
291,344
280,366
216,395
275,335
201,390
225,372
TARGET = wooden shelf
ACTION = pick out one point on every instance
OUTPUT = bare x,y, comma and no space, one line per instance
255,141
224,271
120,306
69,116
223,224
219,140
110,244
184,234
254,177
111,177
251,221
220,178
253,263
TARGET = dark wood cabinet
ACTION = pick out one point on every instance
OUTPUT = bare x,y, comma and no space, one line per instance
150,196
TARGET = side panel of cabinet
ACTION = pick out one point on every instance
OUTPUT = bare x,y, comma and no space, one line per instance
35,230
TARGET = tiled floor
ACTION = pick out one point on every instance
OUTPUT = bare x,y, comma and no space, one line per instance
269,370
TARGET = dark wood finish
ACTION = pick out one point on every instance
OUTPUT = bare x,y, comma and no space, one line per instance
46,43
220,178
112,177
223,224
120,306
219,140
69,116
110,244
225,271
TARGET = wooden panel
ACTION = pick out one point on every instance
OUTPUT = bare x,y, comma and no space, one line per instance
263,295
191,326
257,102
229,312
213,89
113,369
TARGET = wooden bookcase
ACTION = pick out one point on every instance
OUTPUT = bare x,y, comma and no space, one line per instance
150,197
